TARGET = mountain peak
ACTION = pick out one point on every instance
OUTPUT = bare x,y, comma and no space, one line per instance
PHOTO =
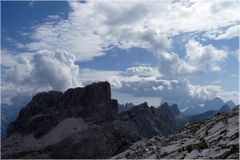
225,108
175,110
230,103
213,104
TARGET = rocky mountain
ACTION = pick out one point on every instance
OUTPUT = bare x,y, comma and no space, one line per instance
213,104
201,116
151,121
175,110
214,138
230,104
225,108
207,114
61,125
180,119
124,107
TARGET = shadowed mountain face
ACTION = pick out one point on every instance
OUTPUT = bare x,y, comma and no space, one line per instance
93,103
151,121
61,125
180,119
174,110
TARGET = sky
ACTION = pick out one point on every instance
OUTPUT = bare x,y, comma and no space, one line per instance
180,51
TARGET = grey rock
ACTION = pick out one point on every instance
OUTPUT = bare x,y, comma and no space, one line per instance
93,103
213,138
99,134
225,108
151,121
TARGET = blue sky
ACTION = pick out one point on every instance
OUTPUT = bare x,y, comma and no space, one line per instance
149,51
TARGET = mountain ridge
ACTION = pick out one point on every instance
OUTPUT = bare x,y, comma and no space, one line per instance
89,116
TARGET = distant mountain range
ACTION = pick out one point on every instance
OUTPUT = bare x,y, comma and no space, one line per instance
208,114
214,104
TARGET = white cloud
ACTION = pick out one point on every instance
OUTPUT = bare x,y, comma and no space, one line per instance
143,71
158,89
227,95
171,91
181,92
171,65
228,33
92,27
231,32
26,74
91,75
198,59
198,53
56,69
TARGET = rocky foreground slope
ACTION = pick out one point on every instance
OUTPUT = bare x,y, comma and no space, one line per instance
214,138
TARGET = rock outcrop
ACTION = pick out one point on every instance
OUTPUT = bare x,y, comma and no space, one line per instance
180,119
214,138
174,110
151,121
61,125
93,103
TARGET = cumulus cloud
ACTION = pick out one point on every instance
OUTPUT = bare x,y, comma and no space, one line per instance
198,59
200,54
56,69
26,74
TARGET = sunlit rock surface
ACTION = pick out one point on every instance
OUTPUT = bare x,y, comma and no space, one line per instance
217,138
